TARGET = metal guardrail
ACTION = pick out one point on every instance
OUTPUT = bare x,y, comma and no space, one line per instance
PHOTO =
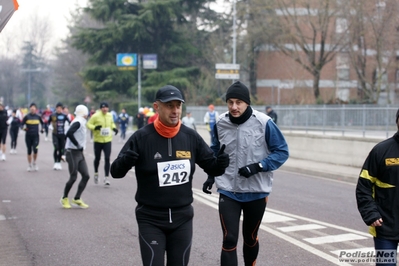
344,120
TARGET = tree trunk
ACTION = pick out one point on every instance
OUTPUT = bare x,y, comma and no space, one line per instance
252,70
316,81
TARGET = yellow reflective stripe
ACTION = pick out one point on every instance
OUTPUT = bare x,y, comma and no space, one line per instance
32,122
365,174
380,184
372,231
373,192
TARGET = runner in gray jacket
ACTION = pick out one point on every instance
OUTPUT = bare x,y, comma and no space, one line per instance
256,147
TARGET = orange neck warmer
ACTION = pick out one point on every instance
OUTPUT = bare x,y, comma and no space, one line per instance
165,131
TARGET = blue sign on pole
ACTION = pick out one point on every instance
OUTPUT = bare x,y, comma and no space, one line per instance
124,60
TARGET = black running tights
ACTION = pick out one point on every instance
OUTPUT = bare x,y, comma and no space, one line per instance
98,147
230,212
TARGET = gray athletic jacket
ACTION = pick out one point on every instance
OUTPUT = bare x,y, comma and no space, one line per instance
246,144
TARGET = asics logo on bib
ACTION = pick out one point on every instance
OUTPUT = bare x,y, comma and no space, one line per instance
174,167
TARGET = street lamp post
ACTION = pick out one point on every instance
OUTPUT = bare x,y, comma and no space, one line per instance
30,71
139,81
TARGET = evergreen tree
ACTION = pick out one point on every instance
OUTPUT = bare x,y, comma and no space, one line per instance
168,28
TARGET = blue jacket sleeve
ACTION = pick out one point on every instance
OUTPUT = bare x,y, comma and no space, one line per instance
277,146
215,144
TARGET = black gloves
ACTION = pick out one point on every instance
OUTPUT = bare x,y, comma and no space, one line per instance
206,188
98,127
116,131
130,156
250,169
223,159
42,131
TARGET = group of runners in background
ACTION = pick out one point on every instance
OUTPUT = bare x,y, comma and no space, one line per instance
68,138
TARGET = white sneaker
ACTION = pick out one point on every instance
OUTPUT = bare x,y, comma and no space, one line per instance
45,139
106,182
3,157
35,167
55,167
29,168
59,166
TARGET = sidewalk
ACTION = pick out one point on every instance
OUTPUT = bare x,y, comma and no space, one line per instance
333,171
327,170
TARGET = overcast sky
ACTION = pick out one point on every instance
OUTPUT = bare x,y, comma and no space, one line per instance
57,12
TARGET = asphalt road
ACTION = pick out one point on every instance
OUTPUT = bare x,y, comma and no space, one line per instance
308,219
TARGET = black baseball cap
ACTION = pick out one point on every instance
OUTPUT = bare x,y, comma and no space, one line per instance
169,93
103,104
32,104
59,105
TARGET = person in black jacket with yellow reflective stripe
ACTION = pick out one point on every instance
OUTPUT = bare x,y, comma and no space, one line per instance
30,124
164,154
377,192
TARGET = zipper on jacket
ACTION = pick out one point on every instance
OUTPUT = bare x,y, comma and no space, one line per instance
170,147
236,165
105,120
170,216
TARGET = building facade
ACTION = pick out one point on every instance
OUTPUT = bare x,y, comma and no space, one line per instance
355,41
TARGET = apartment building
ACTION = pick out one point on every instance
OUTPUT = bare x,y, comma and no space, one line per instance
355,42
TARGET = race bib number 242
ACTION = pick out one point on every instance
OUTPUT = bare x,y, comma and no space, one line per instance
174,173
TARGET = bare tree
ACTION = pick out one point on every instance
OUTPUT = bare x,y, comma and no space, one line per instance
36,31
303,30
9,76
69,62
373,45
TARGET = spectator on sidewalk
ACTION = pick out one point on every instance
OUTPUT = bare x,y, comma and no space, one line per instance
210,119
189,121
270,112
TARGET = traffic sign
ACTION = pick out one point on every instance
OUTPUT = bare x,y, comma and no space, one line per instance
150,61
227,71
227,66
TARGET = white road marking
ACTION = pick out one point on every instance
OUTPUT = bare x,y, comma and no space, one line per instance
270,217
302,227
211,200
2,218
6,201
304,246
333,238
321,223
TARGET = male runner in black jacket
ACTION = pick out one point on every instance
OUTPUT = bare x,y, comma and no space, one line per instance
164,154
